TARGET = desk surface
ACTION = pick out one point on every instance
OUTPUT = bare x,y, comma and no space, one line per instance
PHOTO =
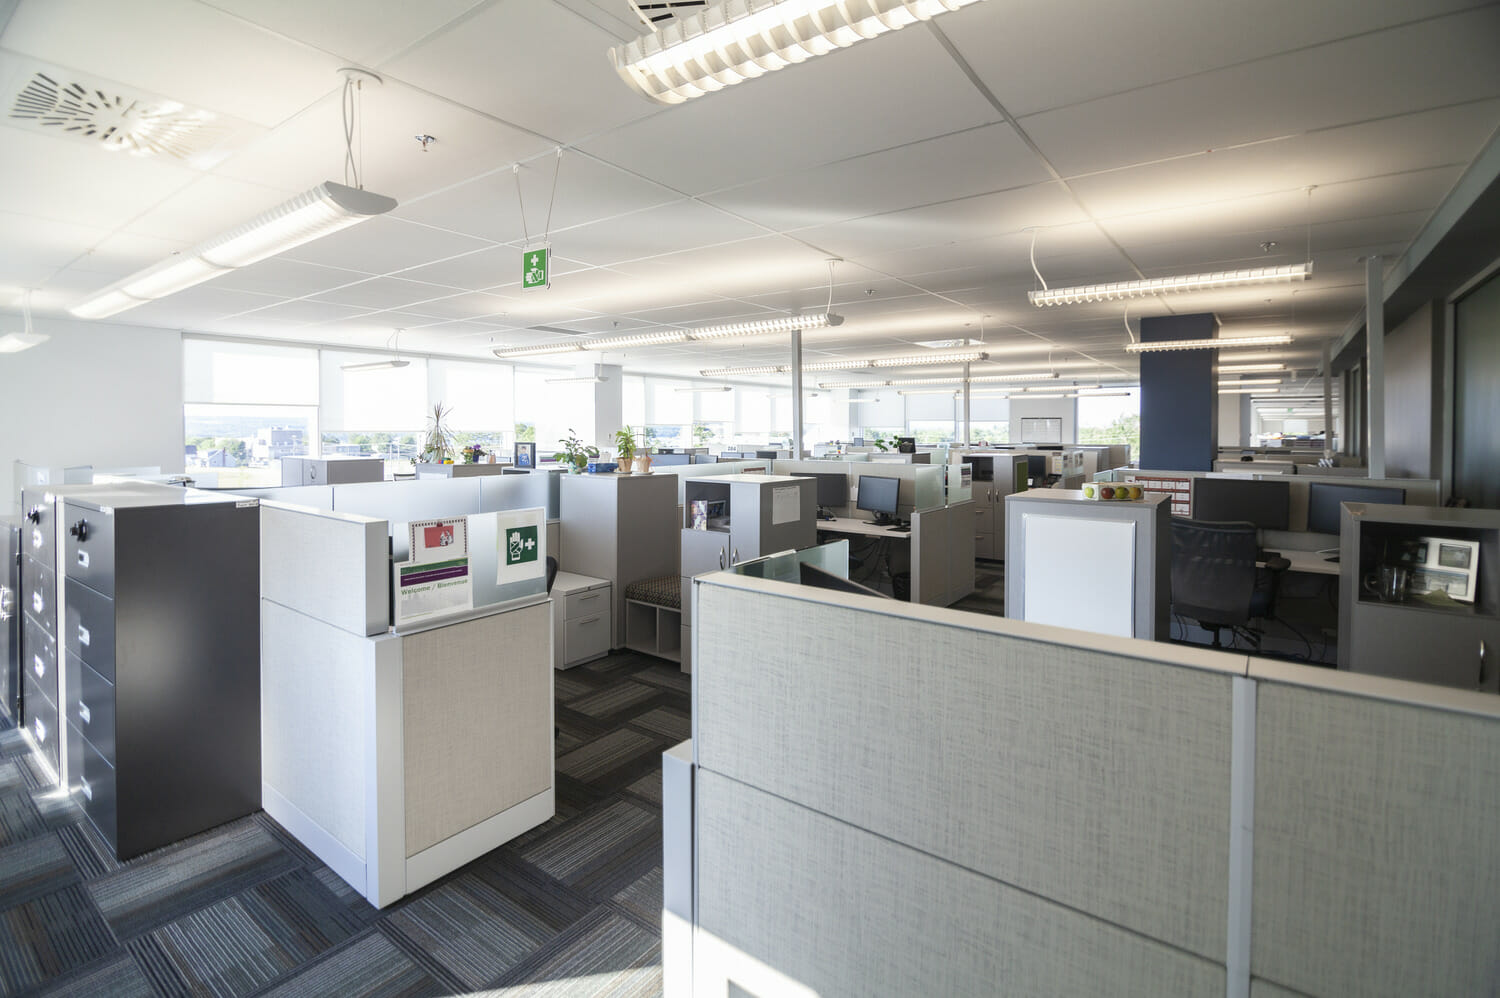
1310,562
850,525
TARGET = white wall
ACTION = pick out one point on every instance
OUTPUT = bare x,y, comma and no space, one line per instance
1233,430
96,393
1064,409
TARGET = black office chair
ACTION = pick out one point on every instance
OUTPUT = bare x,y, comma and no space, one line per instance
1216,581
551,572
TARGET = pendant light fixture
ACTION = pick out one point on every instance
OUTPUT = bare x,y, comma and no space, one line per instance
380,365
27,337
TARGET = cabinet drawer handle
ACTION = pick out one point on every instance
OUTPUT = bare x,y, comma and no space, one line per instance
721,558
83,559
85,789
83,635
585,599
83,712
38,666
591,620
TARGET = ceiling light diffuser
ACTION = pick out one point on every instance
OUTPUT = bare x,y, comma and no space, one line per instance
964,357
1239,382
1249,368
1164,285
736,40
758,327
585,379
311,215
27,337
1219,343
375,365
1248,391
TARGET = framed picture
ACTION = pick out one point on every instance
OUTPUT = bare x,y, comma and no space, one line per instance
525,455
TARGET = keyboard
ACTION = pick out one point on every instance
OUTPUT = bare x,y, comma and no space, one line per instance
901,529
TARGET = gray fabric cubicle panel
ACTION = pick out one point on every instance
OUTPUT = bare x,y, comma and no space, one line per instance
1375,869
1082,775
1265,989
843,911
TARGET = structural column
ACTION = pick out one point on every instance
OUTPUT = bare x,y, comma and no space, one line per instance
796,395
1179,395
1375,363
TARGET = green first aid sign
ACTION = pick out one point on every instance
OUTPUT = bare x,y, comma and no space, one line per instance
520,545
534,269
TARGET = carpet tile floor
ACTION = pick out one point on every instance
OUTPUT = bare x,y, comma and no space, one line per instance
571,908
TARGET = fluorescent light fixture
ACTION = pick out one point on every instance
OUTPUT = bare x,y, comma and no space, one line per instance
926,391
726,372
964,357
1248,391
1241,382
27,337
736,40
311,215
1218,343
376,365
1249,368
584,379
835,365
1049,395
759,327
712,388
1162,285
950,380
1097,395
861,401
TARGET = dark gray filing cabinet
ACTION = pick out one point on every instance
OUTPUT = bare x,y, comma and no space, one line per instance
161,639
39,687
10,617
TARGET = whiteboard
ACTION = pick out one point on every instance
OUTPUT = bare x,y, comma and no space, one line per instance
1080,573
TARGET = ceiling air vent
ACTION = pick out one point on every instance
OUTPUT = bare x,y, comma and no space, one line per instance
659,12
59,102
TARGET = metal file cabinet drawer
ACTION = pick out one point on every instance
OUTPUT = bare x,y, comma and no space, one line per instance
41,717
89,628
91,707
38,529
89,554
587,637
586,604
39,594
39,660
95,782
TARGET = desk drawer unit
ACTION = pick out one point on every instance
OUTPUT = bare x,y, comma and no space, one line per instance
39,594
41,716
162,652
581,621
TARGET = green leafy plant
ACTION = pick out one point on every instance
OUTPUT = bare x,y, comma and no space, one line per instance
437,445
575,451
625,444
883,443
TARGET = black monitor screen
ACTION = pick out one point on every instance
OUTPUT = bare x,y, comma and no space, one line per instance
1036,467
766,453
878,494
833,488
1323,499
1228,500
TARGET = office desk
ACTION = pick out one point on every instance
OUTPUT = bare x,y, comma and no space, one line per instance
861,528
1310,562
938,551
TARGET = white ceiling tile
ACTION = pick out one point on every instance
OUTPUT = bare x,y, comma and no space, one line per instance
464,306
288,278
664,229
362,31
187,307
384,292
205,208
1421,66
180,49
27,241
383,245
536,64
53,178
977,161
854,101
1113,47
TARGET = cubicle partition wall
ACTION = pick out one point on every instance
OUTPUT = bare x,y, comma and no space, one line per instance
395,757
953,803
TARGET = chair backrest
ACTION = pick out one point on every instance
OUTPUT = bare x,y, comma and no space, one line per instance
1213,570
551,571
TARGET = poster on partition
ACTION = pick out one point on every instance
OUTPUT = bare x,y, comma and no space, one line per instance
521,538
435,580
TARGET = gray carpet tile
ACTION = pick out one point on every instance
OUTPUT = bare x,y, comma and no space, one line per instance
372,967
566,687
34,867
643,898
602,833
674,725
605,954
619,696
603,755
118,976
171,882
50,936
566,908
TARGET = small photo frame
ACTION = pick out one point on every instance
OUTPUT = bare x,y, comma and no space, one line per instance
525,455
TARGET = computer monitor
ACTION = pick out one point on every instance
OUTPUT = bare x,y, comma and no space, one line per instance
1324,498
1231,500
1036,468
877,495
833,488
906,445
671,458
766,453
812,575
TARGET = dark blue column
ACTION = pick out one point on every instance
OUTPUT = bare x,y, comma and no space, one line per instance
1179,395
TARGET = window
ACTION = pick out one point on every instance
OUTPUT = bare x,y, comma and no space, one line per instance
381,413
554,410
482,399
245,407
1111,420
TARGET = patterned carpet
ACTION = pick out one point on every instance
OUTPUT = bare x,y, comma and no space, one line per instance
989,590
571,908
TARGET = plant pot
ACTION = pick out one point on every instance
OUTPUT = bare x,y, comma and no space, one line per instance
643,464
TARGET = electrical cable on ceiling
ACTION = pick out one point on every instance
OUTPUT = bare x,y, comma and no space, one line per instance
516,172
1038,273
831,264
351,168
1128,331
557,168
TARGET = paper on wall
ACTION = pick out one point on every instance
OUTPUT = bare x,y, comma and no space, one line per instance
786,504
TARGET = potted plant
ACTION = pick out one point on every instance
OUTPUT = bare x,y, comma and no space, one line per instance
473,453
575,453
625,443
883,443
437,445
